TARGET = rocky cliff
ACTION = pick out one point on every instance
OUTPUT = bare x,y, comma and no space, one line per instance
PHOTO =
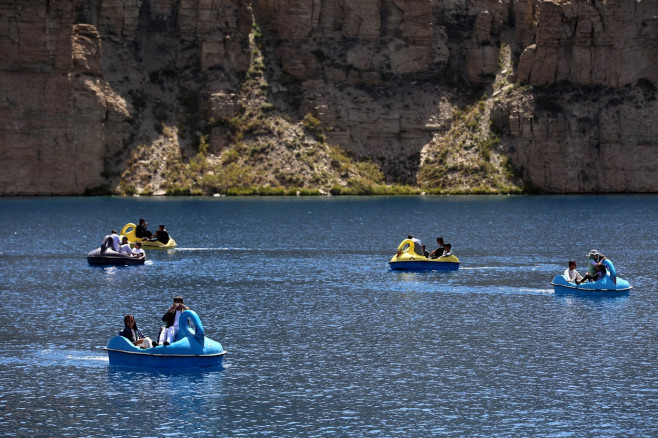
143,96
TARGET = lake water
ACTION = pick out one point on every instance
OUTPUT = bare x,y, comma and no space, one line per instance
322,338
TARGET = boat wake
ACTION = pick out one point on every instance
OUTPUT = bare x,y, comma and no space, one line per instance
212,249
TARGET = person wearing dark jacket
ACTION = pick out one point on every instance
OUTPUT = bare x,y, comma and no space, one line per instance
142,230
439,251
133,334
161,235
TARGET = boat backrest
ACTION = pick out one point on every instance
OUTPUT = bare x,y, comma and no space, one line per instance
189,325
129,230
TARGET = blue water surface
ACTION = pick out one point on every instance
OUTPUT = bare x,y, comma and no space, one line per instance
322,338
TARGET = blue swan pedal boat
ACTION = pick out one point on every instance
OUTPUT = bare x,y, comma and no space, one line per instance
191,348
113,258
407,259
602,287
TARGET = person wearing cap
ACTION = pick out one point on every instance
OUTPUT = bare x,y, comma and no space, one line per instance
605,262
168,333
592,262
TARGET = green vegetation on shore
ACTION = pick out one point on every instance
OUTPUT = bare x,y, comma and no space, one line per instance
266,150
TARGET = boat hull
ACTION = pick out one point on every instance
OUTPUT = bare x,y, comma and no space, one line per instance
113,258
603,287
155,244
423,265
161,360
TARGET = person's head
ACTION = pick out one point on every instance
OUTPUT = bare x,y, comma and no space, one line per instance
593,254
572,264
410,236
129,320
161,227
124,240
448,246
114,231
439,240
178,303
138,245
141,220
599,267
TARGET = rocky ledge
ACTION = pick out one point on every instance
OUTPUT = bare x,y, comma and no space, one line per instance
326,96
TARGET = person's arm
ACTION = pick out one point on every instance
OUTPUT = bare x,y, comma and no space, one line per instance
125,333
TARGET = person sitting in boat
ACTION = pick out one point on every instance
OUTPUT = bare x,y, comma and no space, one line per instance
138,251
161,235
111,241
125,247
599,273
168,333
418,246
571,274
447,251
426,253
607,264
133,334
592,261
142,230
439,251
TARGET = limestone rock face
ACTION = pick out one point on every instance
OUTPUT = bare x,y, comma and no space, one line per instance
371,36
375,70
58,120
84,84
588,43
601,141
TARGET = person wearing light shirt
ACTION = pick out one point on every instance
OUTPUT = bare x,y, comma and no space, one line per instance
138,251
125,247
571,274
418,245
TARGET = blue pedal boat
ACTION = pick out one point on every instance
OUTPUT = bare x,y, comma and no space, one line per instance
602,287
191,348
407,260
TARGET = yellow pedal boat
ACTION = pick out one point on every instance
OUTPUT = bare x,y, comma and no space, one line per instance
128,230
406,259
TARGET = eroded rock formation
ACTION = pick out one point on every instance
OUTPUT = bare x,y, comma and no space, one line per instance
85,82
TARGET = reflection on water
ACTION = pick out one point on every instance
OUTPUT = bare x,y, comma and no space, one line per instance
322,338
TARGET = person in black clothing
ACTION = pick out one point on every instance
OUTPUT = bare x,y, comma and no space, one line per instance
168,333
161,235
142,229
439,251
